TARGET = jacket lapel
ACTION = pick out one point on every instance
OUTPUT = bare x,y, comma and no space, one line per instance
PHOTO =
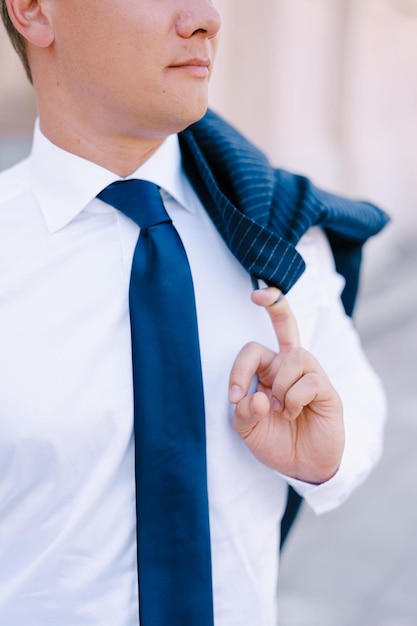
230,162
218,164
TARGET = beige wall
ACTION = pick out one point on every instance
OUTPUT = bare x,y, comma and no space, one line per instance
326,87
279,79
329,88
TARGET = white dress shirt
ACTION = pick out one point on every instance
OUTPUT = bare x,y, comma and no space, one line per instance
67,493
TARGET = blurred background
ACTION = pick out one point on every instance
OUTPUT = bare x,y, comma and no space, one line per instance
328,88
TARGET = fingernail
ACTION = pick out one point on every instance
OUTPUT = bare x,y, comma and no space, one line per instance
275,404
235,394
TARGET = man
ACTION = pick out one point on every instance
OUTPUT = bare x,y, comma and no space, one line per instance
116,82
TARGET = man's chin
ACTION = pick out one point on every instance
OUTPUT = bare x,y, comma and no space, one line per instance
190,118
197,118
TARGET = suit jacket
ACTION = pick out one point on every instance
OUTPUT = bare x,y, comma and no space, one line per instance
228,172
230,175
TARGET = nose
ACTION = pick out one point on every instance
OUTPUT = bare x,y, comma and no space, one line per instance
198,16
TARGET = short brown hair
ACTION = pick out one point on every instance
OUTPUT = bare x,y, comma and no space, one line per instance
18,42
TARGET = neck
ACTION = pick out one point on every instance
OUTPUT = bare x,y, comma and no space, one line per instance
119,153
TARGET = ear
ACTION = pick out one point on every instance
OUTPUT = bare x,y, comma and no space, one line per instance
31,21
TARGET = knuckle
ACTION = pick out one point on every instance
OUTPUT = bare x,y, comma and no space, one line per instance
251,346
314,380
294,355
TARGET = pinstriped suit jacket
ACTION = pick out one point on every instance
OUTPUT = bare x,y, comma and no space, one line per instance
225,169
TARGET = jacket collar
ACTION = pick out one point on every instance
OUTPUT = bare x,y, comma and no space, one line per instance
231,163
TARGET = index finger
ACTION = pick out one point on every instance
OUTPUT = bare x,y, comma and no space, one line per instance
282,318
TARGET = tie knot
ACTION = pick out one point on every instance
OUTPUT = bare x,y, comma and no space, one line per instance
139,200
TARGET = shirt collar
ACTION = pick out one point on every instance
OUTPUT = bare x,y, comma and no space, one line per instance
65,184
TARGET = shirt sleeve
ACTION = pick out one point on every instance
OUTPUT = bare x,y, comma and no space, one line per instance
331,336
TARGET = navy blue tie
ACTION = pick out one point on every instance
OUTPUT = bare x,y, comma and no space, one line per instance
174,560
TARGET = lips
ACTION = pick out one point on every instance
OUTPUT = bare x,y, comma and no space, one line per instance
197,62
195,67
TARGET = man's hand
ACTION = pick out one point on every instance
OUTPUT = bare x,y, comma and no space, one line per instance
293,423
